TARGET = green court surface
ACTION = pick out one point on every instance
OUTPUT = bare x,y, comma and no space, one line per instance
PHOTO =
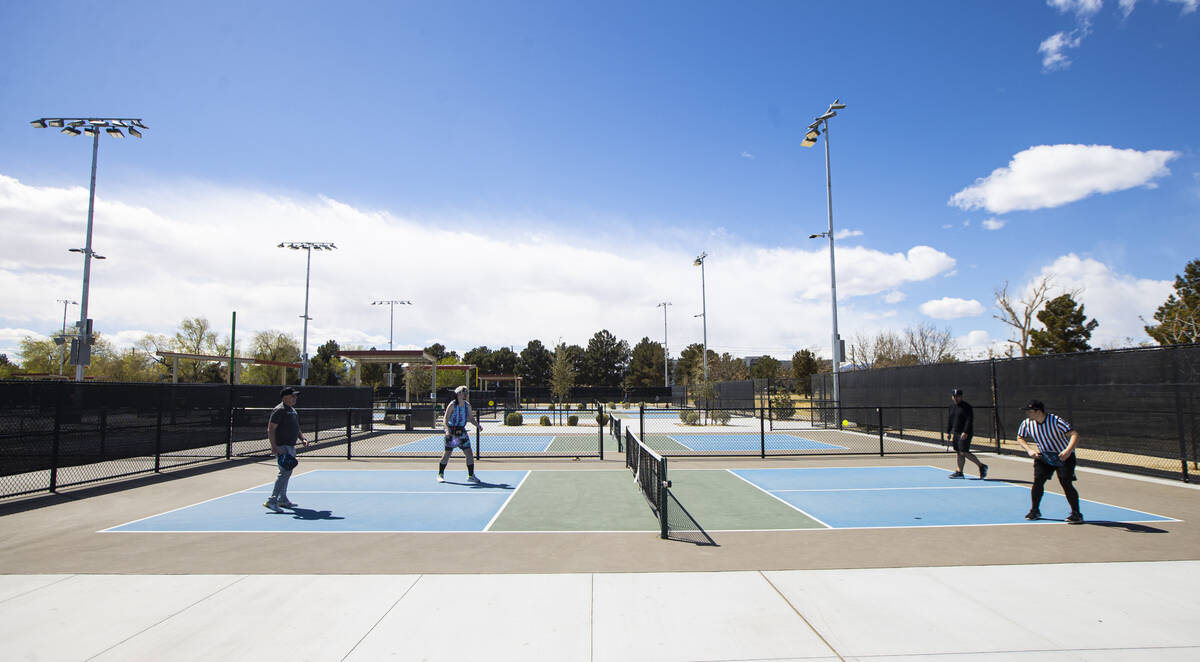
577,501
720,501
611,501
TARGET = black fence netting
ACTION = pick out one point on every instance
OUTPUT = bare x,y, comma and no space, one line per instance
57,434
1136,409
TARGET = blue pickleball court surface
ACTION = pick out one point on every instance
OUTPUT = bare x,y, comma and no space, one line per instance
873,497
531,443
749,441
351,501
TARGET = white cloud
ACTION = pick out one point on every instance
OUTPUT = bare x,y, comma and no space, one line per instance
895,296
1113,299
844,234
978,344
1053,175
188,250
993,223
948,308
946,226
1126,7
1052,49
747,155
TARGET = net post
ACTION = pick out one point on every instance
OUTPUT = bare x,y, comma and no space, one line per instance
662,498
349,437
229,416
600,426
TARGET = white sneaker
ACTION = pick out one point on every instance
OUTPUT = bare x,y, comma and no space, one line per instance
441,479
272,506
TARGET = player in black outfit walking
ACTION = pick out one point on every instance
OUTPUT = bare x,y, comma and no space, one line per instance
961,427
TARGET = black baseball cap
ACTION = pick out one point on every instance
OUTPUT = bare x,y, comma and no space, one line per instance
289,390
957,391
1034,404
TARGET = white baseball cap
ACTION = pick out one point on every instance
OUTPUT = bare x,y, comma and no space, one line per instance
460,389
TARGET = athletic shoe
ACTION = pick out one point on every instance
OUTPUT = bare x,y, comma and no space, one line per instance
983,472
472,478
1033,514
272,506
287,503
956,474
441,479
1075,518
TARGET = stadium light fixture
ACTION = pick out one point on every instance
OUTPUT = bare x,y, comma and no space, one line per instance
309,247
91,126
699,262
815,130
391,303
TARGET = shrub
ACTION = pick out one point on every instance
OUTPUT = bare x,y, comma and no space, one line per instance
551,407
602,419
513,418
572,420
720,417
581,407
689,417
545,420
782,407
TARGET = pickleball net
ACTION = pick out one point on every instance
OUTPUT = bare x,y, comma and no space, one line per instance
650,472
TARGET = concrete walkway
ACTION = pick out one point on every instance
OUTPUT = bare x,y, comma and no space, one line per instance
1103,611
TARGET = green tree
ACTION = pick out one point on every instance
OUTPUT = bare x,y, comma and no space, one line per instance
39,356
726,368
804,366
604,360
1067,328
481,358
645,364
326,368
195,336
1179,316
438,350
562,373
504,361
273,346
686,365
7,369
450,378
766,367
534,364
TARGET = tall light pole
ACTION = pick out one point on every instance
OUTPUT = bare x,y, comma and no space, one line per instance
63,335
703,309
92,126
308,246
391,303
666,352
810,139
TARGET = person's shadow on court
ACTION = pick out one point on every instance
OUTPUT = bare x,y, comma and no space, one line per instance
482,484
309,514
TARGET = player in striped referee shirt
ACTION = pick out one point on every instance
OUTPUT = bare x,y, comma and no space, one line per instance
1053,453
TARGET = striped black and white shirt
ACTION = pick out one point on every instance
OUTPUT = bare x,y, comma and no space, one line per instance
1051,435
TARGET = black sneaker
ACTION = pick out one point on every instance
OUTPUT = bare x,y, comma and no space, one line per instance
982,472
956,474
1075,518
1033,514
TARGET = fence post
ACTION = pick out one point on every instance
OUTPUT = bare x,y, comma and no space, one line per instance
762,434
995,406
158,435
477,451
1182,441
349,438
879,410
642,422
229,416
600,426
58,411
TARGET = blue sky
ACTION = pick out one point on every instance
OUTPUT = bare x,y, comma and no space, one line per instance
545,170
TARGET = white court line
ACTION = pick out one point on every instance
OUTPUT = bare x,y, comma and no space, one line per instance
887,489
793,507
506,501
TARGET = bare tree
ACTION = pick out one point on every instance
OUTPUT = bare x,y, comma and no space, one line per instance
930,345
883,350
1021,314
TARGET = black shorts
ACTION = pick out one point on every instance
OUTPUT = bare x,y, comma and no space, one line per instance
962,444
1042,470
462,441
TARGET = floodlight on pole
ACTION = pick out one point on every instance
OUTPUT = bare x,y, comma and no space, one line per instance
391,303
666,352
309,247
92,127
699,262
814,130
